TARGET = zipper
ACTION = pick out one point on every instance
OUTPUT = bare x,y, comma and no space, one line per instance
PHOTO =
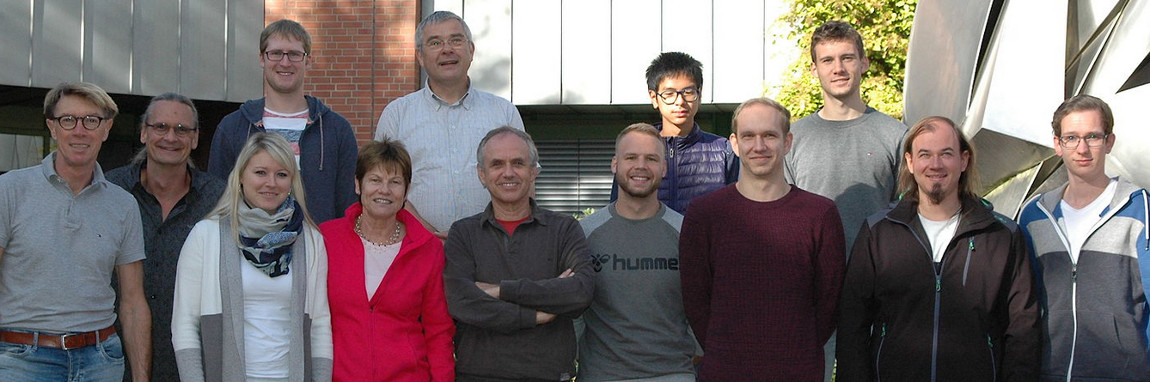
1074,315
993,365
878,353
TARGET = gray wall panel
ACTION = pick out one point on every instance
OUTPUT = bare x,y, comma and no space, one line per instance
202,49
586,77
490,22
537,47
244,75
635,41
15,42
58,37
107,57
739,42
156,47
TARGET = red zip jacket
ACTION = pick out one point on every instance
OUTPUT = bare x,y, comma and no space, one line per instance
404,332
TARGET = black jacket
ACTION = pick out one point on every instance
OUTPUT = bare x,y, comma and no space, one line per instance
974,320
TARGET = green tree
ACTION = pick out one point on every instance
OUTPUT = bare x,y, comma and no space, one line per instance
885,29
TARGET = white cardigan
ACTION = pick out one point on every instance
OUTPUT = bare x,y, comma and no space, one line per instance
198,309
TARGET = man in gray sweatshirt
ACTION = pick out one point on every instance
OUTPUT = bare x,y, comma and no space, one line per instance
635,328
846,151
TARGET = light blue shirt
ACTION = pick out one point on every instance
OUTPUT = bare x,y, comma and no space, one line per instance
442,139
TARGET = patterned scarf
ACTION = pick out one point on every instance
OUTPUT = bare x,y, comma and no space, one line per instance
267,238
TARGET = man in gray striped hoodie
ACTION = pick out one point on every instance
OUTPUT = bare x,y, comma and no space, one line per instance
1091,245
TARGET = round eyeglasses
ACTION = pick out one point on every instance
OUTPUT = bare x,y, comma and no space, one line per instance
69,122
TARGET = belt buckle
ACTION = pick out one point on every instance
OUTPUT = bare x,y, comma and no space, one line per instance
64,341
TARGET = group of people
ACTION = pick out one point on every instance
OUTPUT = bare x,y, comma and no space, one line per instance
300,256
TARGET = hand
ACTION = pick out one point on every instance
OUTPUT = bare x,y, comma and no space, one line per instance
491,289
567,273
543,317
442,235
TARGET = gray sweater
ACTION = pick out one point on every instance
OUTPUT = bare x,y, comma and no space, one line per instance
854,163
635,326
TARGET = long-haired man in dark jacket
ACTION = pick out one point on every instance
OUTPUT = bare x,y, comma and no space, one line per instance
940,287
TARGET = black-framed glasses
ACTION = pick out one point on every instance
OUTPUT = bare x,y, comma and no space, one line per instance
163,128
690,94
278,55
69,122
437,44
1071,142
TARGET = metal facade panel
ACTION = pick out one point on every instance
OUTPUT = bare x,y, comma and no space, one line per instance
16,42
740,44
1032,57
58,40
108,45
635,41
687,27
490,22
244,75
586,66
946,38
537,68
202,49
156,47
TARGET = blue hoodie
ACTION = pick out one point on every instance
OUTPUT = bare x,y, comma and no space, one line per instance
328,152
1094,312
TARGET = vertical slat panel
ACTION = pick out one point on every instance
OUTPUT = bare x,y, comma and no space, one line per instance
244,75
635,41
58,34
108,45
202,49
156,47
587,52
490,22
536,43
687,27
739,40
15,42
454,6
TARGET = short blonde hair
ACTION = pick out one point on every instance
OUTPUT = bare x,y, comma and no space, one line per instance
94,94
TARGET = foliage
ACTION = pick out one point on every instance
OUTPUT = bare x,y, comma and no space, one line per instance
584,213
885,29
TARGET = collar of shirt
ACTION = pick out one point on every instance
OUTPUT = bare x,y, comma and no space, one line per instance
438,103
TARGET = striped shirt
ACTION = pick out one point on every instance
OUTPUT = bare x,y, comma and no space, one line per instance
442,139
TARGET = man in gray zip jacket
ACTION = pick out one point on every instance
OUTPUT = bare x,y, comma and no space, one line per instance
1091,251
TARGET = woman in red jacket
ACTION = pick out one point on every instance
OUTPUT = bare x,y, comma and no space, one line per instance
385,280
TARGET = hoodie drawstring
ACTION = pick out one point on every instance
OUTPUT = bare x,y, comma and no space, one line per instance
1146,215
321,144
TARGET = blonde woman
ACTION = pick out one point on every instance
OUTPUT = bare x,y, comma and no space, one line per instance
251,284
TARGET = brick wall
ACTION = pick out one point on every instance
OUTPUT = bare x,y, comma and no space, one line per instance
363,54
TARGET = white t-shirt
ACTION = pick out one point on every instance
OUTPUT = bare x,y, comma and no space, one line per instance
1080,222
267,322
377,260
939,233
288,125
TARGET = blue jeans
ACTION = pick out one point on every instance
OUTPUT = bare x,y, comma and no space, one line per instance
102,362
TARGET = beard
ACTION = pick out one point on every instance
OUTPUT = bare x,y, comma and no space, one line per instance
936,194
635,192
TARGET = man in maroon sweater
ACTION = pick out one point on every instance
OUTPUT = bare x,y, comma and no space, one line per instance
761,262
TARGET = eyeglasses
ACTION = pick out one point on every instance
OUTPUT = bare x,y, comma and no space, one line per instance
69,122
1071,142
163,128
437,44
278,55
688,94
